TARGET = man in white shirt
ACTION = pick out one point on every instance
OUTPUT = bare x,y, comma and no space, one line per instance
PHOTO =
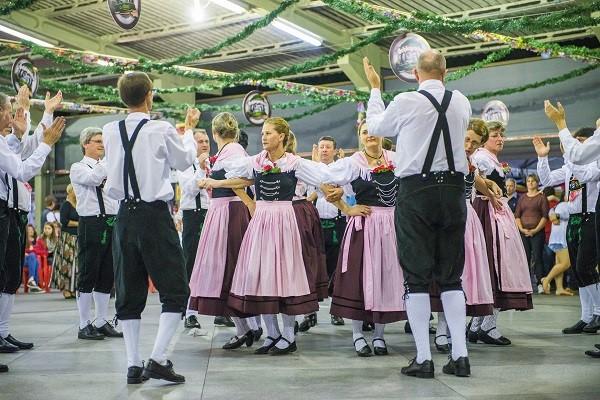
139,155
430,125
12,165
97,213
193,205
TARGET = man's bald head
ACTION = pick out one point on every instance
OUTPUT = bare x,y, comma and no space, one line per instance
431,65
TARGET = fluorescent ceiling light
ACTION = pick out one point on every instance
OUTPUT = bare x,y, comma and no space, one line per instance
297,31
231,6
21,35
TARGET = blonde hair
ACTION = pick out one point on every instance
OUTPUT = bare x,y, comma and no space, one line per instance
281,126
480,128
292,144
360,125
496,126
226,126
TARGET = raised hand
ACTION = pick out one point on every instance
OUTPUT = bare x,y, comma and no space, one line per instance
53,103
22,98
541,149
556,114
52,134
315,153
340,153
19,122
358,211
192,118
371,74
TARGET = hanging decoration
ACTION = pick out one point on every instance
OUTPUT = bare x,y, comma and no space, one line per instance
23,72
14,5
404,54
256,107
495,110
125,13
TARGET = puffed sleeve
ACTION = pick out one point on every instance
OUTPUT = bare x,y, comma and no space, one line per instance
483,164
239,168
309,172
341,172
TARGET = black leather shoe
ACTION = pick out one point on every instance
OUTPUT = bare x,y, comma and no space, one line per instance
192,322
472,337
380,351
135,375
21,345
592,327
3,368
156,371
229,322
6,347
487,339
460,367
257,334
593,353
597,346
276,351
338,321
424,370
237,342
365,351
309,321
90,333
575,329
219,321
442,348
108,331
265,349
368,326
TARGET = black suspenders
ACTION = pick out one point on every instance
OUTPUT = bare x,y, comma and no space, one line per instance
128,166
198,198
441,128
99,196
15,191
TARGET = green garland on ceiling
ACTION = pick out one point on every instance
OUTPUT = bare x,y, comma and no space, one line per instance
14,5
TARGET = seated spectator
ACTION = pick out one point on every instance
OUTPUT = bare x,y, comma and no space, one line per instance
47,241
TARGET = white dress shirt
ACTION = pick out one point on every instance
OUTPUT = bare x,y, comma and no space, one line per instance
188,180
85,176
580,153
325,209
589,174
157,149
411,117
28,143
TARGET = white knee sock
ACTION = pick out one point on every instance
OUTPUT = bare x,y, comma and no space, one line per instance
441,332
357,333
6,305
489,324
594,298
258,323
101,305
241,326
84,305
188,311
378,335
455,314
288,331
418,308
587,308
131,334
251,322
272,328
475,324
166,329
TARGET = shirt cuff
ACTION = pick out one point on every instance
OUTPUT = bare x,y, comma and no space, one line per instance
44,149
565,134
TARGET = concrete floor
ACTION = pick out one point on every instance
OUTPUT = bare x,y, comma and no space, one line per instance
541,364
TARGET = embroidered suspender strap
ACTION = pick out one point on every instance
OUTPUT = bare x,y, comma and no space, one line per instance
441,127
128,166
99,196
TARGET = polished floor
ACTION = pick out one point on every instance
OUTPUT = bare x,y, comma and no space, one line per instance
541,364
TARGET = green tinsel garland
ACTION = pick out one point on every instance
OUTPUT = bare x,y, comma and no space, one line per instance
13,5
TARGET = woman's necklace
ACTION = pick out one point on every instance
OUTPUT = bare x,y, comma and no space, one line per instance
374,158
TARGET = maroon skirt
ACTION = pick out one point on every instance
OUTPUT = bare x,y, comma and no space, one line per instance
313,247
239,217
502,300
347,300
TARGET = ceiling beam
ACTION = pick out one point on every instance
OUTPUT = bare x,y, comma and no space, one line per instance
74,6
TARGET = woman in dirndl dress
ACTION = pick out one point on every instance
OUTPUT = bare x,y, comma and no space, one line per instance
64,268
509,272
368,281
271,277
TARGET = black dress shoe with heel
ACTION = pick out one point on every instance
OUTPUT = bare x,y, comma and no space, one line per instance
265,349
337,321
155,370
191,322
487,339
257,334
135,375
380,351
108,331
89,333
575,329
364,351
591,327
6,347
459,367
309,321
424,370
276,351
237,342
442,348
21,345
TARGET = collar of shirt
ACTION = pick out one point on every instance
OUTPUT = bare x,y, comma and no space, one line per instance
89,161
431,84
137,116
